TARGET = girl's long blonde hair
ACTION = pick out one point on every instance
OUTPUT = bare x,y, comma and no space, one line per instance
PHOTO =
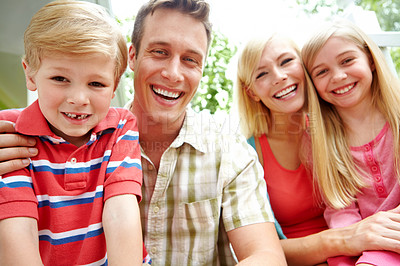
333,165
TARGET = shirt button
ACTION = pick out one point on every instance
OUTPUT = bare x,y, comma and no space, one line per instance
73,160
156,209
153,250
367,148
374,168
378,178
151,168
380,189
369,158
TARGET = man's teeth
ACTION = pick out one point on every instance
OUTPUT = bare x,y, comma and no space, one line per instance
79,117
344,90
165,93
285,91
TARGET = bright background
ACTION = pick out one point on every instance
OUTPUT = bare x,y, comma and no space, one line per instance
239,20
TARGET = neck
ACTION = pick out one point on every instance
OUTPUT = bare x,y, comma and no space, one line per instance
155,137
362,124
286,126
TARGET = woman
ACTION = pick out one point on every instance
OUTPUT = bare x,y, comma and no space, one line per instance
271,91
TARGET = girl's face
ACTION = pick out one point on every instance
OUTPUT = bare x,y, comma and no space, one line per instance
342,74
279,78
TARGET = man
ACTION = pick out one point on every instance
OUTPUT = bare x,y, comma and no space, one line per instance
202,187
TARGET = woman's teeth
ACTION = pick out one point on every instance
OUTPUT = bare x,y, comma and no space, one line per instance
285,92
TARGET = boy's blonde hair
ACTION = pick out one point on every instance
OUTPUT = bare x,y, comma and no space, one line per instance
74,27
255,117
338,176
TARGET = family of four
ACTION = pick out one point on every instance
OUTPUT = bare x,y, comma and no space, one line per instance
98,179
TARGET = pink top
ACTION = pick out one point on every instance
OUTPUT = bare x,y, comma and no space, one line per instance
383,193
291,196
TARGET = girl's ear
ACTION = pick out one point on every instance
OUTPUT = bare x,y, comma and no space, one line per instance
252,95
30,82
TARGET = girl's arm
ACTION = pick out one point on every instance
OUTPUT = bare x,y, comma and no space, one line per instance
19,243
122,229
377,232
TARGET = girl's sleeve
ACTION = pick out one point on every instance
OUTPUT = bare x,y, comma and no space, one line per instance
342,218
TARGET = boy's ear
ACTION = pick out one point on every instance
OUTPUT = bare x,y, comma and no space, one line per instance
30,82
132,57
252,95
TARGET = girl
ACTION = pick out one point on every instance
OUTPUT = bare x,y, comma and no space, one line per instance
355,129
271,94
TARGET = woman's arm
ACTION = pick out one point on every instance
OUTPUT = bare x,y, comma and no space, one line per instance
14,149
122,229
380,231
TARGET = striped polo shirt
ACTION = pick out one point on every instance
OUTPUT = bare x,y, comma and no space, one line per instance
65,186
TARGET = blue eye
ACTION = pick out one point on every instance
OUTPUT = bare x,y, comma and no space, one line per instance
96,84
59,78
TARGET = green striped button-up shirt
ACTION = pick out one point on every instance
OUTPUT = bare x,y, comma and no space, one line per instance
209,182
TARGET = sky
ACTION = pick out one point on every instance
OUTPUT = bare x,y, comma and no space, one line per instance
239,20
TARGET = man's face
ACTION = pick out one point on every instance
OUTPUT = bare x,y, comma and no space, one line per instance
168,67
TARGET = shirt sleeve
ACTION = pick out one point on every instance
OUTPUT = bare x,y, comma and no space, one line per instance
341,218
17,197
244,199
124,170
379,257
278,227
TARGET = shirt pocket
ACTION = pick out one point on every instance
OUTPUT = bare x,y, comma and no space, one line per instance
197,225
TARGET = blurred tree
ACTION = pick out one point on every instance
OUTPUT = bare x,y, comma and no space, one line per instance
387,12
215,91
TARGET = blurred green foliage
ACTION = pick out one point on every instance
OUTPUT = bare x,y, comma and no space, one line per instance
387,13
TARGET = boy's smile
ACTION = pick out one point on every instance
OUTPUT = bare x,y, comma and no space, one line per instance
74,92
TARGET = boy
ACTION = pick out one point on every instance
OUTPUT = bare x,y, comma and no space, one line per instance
80,193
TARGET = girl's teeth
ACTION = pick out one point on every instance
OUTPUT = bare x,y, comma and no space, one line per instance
344,90
79,117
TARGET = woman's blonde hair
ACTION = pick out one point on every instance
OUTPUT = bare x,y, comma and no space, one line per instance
255,117
338,176
75,27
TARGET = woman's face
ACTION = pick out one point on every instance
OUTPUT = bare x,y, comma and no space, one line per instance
279,78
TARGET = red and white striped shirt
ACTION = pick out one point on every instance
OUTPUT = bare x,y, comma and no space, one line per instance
65,186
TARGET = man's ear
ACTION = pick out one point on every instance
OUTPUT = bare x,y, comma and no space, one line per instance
132,57
252,95
30,82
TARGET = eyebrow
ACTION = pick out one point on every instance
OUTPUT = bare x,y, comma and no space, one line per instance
284,54
191,51
339,55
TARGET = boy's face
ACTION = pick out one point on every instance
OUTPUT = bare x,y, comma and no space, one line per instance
74,92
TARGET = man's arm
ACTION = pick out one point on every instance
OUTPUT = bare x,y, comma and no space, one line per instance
257,244
14,149
19,243
122,229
